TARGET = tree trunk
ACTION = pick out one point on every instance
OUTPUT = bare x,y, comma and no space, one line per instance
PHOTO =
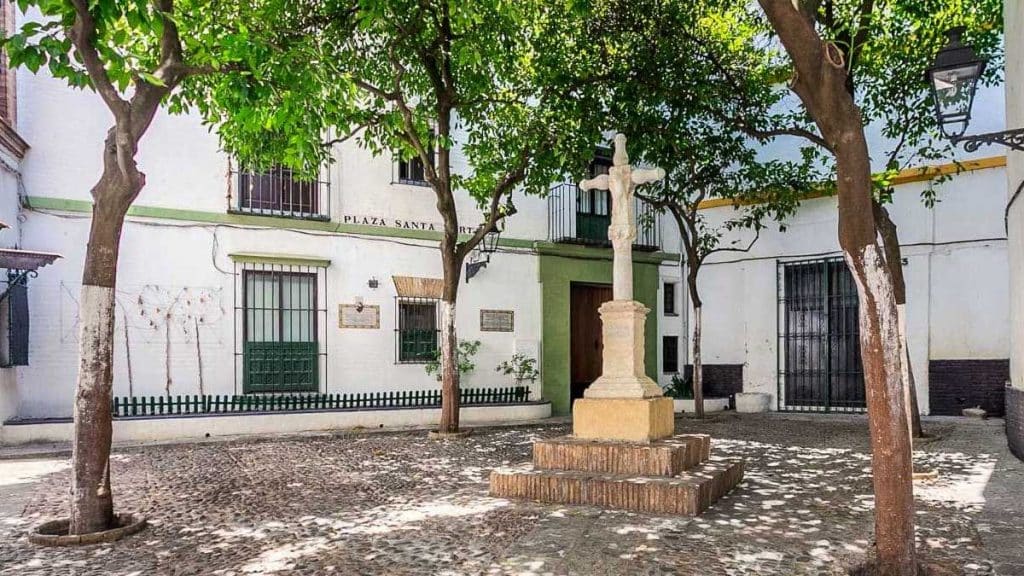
894,258
698,371
881,351
820,80
698,368
449,340
92,507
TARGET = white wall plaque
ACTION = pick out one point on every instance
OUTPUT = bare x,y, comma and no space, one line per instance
350,316
497,321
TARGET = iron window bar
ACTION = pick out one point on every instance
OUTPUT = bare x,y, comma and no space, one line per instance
278,192
280,328
15,278
417,329
582,217
818,350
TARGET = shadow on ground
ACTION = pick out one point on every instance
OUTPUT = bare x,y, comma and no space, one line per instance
400,504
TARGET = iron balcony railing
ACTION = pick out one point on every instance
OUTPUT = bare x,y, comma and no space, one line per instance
279,192
582,217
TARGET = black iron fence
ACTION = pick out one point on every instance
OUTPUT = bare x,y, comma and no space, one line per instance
128,406
279,192
578,216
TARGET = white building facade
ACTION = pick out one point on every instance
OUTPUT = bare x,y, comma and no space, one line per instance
249,286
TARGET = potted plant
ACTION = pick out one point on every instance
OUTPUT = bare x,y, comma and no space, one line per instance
522,369
680,390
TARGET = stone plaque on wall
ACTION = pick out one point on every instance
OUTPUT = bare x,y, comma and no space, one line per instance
350,316
497,320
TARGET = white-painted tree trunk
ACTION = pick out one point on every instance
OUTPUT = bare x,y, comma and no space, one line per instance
449,370
901,321
91,501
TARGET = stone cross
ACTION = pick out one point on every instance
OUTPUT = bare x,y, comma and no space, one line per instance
622,179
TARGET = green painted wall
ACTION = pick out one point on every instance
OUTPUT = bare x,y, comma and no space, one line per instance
557,273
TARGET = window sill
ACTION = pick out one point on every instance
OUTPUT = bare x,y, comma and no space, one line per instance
280,215
416,183
671,314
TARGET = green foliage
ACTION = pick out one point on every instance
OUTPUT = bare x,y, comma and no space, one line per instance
521,368
464,354
410,76
887,51
693,88
680,388
128,38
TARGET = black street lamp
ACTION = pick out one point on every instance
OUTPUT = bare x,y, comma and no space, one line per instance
953,79
488,245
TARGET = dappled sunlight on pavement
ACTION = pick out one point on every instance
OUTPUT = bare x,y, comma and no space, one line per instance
401,504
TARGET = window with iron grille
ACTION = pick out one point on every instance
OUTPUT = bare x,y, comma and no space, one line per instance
819,361
669,299
416,330
280,192
412,171
14,321
670,354
282,329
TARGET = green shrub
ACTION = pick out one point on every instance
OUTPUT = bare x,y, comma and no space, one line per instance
680,388
463,359
521,368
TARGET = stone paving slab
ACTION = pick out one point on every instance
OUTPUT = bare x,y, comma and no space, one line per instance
399,504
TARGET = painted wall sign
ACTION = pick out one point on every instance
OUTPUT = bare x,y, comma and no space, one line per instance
497,320
349,316
399,223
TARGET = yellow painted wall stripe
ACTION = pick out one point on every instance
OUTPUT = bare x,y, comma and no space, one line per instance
906,176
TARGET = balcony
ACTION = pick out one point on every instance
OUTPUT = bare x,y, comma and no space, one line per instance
582,217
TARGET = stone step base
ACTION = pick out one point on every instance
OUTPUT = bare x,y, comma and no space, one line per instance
666,457
689,493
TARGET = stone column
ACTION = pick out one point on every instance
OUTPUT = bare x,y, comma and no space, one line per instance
624,403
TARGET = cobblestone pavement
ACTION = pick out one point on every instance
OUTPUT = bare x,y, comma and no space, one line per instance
397,504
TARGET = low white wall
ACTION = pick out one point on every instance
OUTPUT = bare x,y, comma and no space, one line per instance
8,393
687,406
205,426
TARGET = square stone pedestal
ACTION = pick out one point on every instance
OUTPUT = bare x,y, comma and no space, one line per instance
670,476
629,419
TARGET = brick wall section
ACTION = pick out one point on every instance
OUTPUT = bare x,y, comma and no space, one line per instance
1015,420
720,380
957,384
8,90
